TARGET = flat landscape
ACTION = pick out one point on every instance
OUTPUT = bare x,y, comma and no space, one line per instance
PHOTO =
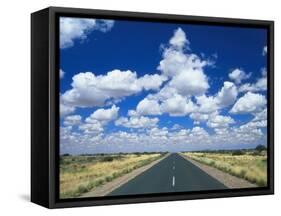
169,172
249,165
80,174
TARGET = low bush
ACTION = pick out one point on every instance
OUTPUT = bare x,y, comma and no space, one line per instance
238,152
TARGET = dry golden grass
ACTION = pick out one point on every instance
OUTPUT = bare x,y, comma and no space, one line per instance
80,174
248,166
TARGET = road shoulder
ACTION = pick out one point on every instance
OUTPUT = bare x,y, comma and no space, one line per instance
118,182
228,180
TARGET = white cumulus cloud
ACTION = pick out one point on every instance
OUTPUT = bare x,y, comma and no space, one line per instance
249,103
186,70
177,106
148,107
95,123
137,122
95,127
61,73
89,90
151,82
103,115
227,95
179,39
224,98
207,104
237,75
261,115
65,109
219,121
72,120
264,50
260,85
199,117
72,29
190,82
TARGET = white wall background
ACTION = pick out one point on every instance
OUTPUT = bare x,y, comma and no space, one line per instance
15,107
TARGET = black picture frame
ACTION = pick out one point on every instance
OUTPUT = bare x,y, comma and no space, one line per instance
45,106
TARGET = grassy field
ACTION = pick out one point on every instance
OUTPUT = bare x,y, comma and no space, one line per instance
249,165
80,174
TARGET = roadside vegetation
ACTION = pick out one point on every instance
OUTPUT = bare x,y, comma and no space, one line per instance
250,165
83,173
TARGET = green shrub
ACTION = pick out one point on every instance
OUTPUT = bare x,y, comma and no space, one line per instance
260,148
107,159
82,189
238,152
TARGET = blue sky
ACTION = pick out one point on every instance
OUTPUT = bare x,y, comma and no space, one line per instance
145,86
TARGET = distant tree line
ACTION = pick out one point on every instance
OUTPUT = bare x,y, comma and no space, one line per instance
117,153
258,149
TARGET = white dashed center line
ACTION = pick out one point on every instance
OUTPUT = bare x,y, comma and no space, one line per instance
173,167
174,181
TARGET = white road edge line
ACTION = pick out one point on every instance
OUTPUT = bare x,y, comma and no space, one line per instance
173,181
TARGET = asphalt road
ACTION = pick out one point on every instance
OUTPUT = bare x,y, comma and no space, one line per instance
172,174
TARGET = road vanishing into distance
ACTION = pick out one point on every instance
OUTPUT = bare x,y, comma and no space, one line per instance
172,174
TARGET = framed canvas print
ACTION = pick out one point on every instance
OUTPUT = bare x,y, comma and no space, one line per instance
139,107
